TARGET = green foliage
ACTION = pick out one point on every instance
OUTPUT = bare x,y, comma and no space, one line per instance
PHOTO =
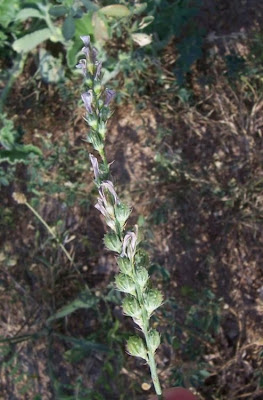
60,172
13,152
190,338
8,11
31,40
85,300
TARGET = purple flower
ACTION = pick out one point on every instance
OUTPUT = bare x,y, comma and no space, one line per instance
85,40
83,66
87,99
95,166
109,186
98,70
99,206
129,244
109,96
94,53
85,50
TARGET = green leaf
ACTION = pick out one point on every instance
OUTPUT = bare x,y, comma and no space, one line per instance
146,21
81,345
68,27
140,8
72,53
115,10
29,13
57,11
8,10
84,301
30,41
20,153
84,26
90,6
141,39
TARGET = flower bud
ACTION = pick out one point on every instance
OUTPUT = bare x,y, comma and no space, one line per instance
112,242
20,198
89,82
92,120
136,347
109,95
129,244
97,88
142,277
100,103
122,212
96,141
125,284
102,129
154,340
125,265
91,68
87,98
152,300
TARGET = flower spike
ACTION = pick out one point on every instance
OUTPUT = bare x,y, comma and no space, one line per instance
133,280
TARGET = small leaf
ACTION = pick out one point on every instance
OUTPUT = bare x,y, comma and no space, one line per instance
146,21
115,10
57,11
30,41
90,6
141,39
68,28
18,154
140,8
84,301
72,54
29,13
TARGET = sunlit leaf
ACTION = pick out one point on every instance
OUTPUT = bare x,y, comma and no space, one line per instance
100,28
26,13
141,39
146,21
115,10
30,41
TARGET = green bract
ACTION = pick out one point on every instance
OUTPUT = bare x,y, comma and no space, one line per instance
112,242
142,277
122,212
125,284
154,340
131,307
152,300
136,347
125,265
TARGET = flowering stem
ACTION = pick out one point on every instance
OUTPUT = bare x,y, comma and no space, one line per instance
141,300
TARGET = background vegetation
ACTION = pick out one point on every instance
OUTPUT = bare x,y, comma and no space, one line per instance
186,140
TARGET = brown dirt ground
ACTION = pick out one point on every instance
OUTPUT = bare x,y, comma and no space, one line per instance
207,241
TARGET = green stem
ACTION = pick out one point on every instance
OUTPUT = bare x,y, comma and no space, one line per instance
50,231
152,365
